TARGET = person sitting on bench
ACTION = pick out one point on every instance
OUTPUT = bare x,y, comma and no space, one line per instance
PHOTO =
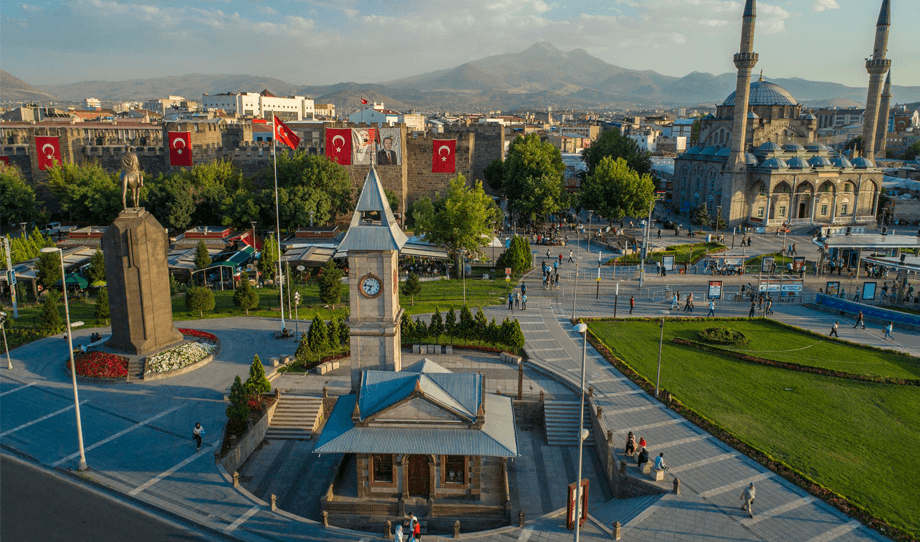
630,444
659,462
285,333
642,458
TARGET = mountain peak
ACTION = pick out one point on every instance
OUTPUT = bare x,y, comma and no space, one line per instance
542,46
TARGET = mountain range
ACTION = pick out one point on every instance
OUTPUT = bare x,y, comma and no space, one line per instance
537,77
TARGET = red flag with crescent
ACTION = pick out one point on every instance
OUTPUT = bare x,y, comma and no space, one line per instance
285,134
49,152
363,101
5,160
443,156
180,148
338,145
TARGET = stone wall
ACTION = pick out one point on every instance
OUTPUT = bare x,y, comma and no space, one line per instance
240,452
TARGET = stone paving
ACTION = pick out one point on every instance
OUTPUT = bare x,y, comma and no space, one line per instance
138,436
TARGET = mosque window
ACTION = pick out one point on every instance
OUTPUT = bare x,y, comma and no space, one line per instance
824,210
847,187
843,208
782,211
454,469
760,212
382,467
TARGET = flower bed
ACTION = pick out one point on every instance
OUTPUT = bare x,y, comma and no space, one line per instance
176,358
100,365
199,334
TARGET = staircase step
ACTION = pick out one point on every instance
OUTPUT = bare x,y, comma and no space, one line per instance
294,418
624,510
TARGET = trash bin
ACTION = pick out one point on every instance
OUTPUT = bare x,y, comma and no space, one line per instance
709,238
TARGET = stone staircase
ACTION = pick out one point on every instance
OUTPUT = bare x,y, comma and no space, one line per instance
561,422
623,510
136,365
294,418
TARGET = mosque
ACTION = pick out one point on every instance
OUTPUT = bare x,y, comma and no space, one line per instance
757,162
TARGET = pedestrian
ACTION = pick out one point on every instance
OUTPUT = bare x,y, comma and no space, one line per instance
659,233
632,304
398,533
793,249
856,295
548,254
658,268
675,302
523,288
197,432
888,329
571,254
753,308
769,306
560,257
833,332
712,308
557,281
517,300
524,302
556,267
510,301
747,496
687,304
416,529
860,321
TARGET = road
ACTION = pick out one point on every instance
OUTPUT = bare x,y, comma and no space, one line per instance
38,505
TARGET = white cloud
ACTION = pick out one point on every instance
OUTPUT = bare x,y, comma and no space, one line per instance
821,5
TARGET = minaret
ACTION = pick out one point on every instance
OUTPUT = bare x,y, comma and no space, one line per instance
876,66
745,62
881,129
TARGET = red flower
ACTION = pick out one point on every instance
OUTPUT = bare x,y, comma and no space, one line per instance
200,334
101,365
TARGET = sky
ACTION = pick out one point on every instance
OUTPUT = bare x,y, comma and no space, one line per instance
329,41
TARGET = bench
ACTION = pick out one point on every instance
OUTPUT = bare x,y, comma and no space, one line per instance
657,475
279,335
646,467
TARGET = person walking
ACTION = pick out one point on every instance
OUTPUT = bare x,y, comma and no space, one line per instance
712,308
632,304
860,321
517,300
197,432
747,496
398,533
687,303
675,302
888,329
753,308
524,302
511,301
659,233
560,257
556,285
769,306
833,332
571,256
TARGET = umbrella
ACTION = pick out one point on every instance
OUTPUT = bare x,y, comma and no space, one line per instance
97,284
76,280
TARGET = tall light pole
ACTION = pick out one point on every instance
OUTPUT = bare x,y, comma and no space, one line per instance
660,342
73,368
575,290
9,362
583,329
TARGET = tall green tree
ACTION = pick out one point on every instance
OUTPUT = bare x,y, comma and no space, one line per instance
318,336
912,152
615,190
245,297
517,256
101,312
199,299
238,411
311,183
50,317
202,258
48,269
406,326
96,269
330,284
465,327
17,199
450,324
333,333
170,199
436,326
86,193
257,383
412,287
462,221
534,179
612,144
268,258
480,325
495,174
700,215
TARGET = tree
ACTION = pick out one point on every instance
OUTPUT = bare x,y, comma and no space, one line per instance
312,183
330,284
495,174
614,145
700,215
480,325
303,349
238,411
614,190
533,181
855,143
101,312
517,256
462,221
257,383
17,199
211,184
406,327
695,130
86,193
436,327
199,299
245,297
333,334
412,287
24,248
317,336
392,199
344,333
96,270
450,324
421,329
170,200
465,326
912,152
493,334
173,285
268,258
516,337
50,317
48,269
202,258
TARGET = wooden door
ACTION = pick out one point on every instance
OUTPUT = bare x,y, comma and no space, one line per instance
418,475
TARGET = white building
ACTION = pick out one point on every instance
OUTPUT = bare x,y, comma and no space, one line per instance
682,128
260,105
645,139
387,117
92,103
160,105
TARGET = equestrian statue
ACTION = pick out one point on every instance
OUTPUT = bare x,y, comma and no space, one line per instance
131,177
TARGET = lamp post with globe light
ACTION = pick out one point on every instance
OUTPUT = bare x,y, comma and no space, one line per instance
9,362
582,432
73,369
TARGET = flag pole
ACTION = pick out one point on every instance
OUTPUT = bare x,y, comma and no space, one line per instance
278,218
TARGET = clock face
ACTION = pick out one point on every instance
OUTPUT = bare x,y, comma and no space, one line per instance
370,286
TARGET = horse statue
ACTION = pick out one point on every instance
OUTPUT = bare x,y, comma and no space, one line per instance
131,177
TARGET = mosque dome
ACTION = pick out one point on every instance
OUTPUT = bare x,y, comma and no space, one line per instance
793,147
797,163
693,150
710,151
765,93
840,161
819,161
750,159
724,151
862,163
769,147
817,147
753,116
774,163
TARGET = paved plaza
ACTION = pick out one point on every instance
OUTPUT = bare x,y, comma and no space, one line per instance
139,446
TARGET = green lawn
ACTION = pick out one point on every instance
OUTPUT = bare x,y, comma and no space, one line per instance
844,434
445,294
691,253
752,265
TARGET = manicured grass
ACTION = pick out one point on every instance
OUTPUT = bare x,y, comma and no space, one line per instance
444,294
752,265
856,438
691,253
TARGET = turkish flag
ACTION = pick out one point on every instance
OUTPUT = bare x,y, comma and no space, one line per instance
338,145
180,148
443,156
285,134
363,101
5,159
49,152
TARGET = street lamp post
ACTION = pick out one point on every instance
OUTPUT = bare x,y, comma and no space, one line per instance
583,329
9,362
660,342
574,290
296,314
73,368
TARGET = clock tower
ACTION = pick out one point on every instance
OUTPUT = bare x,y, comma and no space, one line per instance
372,244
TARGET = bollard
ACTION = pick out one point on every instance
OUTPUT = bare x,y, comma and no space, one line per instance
590,391
388,530
277,393
274,502
325,518
236,479
600,410
498,392
616,530
325,392
541,396
609,437
457,529
521,516
622,466
677,486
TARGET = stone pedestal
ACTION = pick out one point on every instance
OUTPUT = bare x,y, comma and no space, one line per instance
135,247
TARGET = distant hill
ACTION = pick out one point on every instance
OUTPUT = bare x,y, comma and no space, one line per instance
13,89
190,86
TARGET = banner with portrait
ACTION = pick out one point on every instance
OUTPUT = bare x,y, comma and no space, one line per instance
362,145
715,289
798,264
389,151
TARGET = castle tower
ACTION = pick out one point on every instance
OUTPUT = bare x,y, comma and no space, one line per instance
745,62
877,66
373,242
881,135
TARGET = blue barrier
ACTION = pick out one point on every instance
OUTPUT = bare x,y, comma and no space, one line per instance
869,311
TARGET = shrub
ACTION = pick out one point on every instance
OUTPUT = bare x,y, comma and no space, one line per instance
245,297
412,287
421,329
50,317
406,327
101,312
436,327
199,299
303,349
333,335
722,335
257,383
318,336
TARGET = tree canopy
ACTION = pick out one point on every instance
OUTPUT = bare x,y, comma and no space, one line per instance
533,179
17,199
86,193
613,144
614,190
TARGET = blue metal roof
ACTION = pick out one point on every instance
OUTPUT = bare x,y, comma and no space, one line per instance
774,163
769,146
840,161
765,93
798,163
710,151
862,163
819,161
